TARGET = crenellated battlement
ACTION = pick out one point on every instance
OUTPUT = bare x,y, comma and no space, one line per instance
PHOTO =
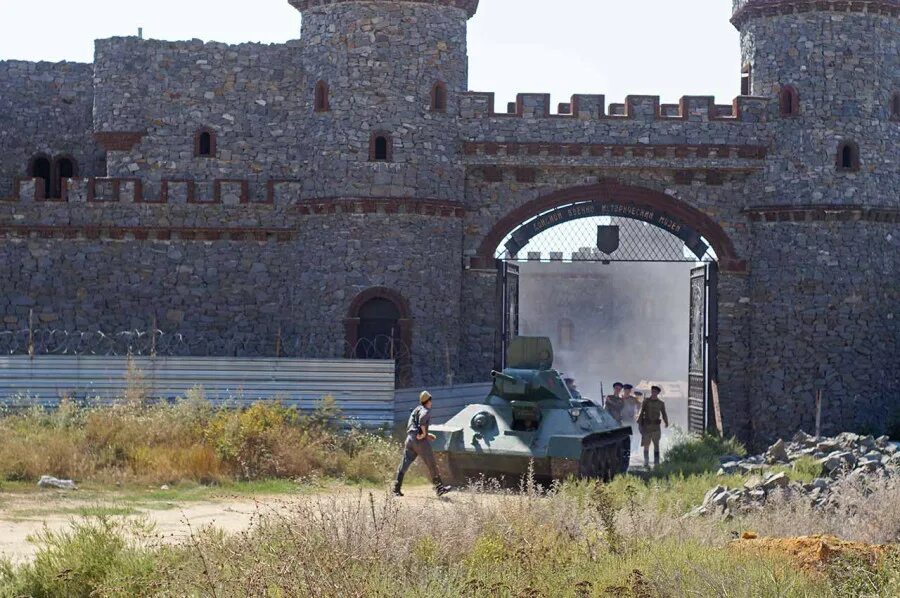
275,193
229,192
586,107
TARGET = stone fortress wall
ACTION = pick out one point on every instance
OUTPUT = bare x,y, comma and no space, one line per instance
291,218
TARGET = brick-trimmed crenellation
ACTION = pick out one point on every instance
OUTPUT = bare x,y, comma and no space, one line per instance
587,107
228,192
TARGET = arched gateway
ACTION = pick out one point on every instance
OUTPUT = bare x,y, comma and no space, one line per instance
689,236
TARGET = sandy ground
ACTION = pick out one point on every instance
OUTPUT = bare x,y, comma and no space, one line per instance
24,515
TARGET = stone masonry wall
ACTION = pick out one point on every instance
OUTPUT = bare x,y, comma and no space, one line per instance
45,108
300,280
825,315
252,96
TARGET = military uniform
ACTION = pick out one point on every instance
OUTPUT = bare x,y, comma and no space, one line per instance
650,420
415,447
615,405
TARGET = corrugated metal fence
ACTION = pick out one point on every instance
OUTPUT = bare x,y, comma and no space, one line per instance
364,389
447,401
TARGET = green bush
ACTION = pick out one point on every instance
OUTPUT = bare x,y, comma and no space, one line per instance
95,555
699,454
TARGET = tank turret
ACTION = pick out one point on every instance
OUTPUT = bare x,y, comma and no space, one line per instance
530,418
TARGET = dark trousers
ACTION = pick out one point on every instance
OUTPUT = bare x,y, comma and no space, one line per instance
417,448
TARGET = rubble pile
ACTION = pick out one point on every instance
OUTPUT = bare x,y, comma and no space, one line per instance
846,456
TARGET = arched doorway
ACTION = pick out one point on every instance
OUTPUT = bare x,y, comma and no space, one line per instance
626,241
379,326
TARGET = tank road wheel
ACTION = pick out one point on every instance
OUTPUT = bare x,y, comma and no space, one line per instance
605,457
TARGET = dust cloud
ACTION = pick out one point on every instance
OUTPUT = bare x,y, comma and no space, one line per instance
625,322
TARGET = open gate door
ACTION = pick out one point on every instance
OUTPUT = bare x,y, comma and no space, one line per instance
702,353
508,307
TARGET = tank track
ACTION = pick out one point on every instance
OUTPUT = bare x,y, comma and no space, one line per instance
604,456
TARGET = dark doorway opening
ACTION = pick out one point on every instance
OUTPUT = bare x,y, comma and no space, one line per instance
379,329
40,169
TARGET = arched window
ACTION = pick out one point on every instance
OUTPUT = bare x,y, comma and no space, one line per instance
39,168
895,106
790,101
321,101
379,326
205,143
439,97
566,334
848,156
381,147
65,168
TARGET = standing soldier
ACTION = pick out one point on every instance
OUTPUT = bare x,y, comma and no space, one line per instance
418,444
652,415
614,403
630,408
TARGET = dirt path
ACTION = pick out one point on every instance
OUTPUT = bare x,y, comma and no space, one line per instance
20,517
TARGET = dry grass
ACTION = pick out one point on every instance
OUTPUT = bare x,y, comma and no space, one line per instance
136,442
568,543
580,539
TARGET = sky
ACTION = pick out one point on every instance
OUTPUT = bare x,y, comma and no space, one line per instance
612,47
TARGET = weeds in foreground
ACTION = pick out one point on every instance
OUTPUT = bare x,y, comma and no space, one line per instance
571,542
136,442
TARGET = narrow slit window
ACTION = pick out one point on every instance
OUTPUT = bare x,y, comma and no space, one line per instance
848,156
895,106
321,99
790,101
205,144
746,80
439,97
381,147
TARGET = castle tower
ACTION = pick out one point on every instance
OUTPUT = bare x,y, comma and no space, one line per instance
824,258
388,74
832,70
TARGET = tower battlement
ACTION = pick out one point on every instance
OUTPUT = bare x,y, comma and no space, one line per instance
749,9
470,6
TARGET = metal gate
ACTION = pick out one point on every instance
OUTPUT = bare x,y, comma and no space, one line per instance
508,307
702,366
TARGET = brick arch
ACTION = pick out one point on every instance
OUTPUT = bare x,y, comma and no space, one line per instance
404,323
609,190
379,293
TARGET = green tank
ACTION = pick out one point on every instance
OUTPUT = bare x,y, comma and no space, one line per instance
531,416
